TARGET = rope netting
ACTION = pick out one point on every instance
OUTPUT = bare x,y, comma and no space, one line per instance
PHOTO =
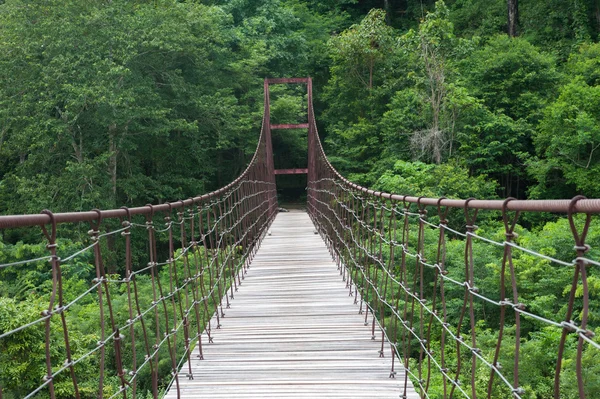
162,276
418,276
180,264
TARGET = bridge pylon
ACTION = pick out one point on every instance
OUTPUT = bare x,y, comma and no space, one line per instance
310,125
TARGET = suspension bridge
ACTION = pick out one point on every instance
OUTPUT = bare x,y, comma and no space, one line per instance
354,297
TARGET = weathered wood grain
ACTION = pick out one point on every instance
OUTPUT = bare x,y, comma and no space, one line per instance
292,330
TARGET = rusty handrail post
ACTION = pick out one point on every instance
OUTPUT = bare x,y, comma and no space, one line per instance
334,201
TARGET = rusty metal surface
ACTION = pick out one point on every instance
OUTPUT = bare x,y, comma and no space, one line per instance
324,167
379,240
559,206
381,247
210,240
275,81
290,126
254,170
296,171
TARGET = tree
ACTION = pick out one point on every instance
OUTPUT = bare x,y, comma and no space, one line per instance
96,95
513,17
421,179
568,144
363,59
431,50
481,18
359,50
557,25
585,63
434,40
515,81
496,145
567,140
511,76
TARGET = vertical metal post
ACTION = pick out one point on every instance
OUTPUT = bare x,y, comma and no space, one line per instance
270,163
312,141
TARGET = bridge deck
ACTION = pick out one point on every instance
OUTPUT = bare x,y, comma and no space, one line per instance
292,330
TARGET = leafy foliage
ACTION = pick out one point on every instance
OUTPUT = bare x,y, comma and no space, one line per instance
421,179
104,104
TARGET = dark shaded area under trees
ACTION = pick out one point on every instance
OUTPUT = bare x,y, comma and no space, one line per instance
112,103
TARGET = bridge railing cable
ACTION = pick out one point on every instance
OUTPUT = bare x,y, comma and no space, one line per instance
160,274
398,256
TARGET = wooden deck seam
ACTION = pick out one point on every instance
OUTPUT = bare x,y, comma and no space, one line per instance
292,330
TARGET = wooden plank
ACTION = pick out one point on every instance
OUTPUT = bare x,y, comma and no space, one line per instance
292,330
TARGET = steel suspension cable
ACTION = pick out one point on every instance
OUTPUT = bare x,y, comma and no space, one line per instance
382,240
186,279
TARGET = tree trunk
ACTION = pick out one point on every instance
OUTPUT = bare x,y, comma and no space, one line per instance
77,147
597,15
220,168
371,66
2,137
388,12
112,161
513,17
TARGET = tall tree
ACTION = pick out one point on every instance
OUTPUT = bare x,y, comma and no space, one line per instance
363,58
432,48
513,17
117,104
568,137
515,81
435,38
597,13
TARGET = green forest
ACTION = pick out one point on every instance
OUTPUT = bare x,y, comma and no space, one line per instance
117,103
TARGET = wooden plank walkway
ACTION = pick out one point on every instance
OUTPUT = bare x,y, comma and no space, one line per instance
292,330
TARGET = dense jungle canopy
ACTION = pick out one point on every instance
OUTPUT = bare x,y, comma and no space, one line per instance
118,102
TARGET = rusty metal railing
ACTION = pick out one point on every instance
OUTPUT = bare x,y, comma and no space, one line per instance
398,255
428,306
206,244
